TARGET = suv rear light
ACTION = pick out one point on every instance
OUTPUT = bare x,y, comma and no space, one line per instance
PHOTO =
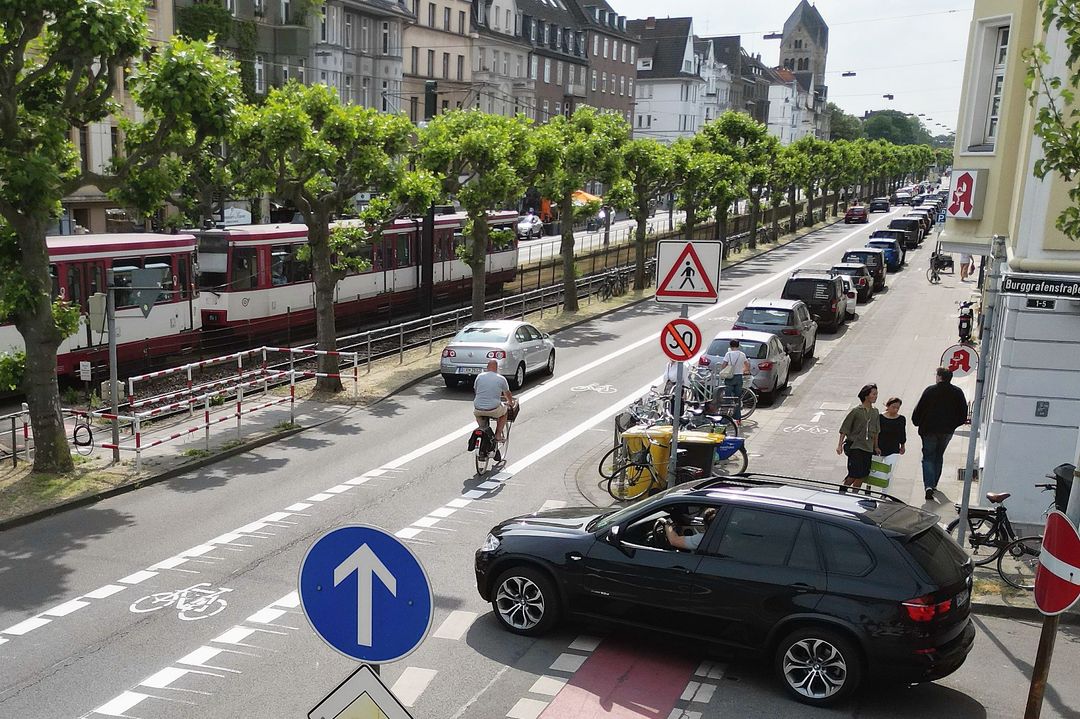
496,354
703,361
738,327
449,353
923,609
790,331
765,366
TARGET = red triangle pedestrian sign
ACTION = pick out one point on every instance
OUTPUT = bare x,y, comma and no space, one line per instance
687,278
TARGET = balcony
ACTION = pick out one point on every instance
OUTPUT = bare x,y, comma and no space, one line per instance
525,84
574,89
292,40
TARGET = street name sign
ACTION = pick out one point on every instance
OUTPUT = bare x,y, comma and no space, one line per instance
961,360
688,272
1057,579
1027,284
680,339
361,696
366,594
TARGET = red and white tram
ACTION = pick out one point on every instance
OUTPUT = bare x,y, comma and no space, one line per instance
253,282
78,264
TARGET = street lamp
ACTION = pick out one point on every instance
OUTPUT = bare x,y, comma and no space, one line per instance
773,36
849,73
888,96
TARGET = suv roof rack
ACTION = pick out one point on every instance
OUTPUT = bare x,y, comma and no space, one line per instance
755,478
815,270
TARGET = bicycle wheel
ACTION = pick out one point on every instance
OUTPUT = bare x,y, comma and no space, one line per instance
734,464
1019,561
983,543
614,460
932,276
83,439
749,402
720,425
630,482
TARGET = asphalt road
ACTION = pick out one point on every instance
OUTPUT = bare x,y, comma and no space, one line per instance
73,644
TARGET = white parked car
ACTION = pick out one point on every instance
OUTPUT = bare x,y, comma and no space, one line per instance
851,296
530,227
518,347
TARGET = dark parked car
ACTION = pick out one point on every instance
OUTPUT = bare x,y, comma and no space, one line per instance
860,276
856,214
823,293
894,254
911,225
874,261
789,320
830,587
879,204
901,236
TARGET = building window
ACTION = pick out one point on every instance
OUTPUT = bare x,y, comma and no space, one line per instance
997,84
596,45
547,70
605,47
509,22
414,60
431,14
386,38
624,52
346,95
349,31
260,74
446,65
622,85
594,80
284,12
533,67
364,99
558,76
630,86
230,5
506,64
385,96
461,22
798,44
431,63
547,110
364,46
322,25
460,67
558,108
614,49
414,108
446,19
300,71
520,68
603,82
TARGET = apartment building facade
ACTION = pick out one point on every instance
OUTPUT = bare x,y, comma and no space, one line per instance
717,77
1032,353
558,57
438,46
502,78
670,90
791,107
612,54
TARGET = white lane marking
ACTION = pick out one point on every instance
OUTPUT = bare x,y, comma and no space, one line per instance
411,684
170,563
426,522
338,489
711,670
319,497
566,662
289,601
442,512
678,713
817,416
62,610
162,679
585,643
501,476
455,625
488,485
298,507
200,656
407,533
276,517
548,686
552,504
700,692
265,615
459,503
137,577
236,635
526,709
376,472
27,625
473,494
252,528
121,704
357,480
3,641
196,551
102,592
227,538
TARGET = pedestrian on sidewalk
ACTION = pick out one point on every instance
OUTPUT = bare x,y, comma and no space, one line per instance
940,410
967,266
859,437
893,435
733,367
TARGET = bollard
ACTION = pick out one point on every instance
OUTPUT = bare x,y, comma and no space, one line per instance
138,444
369,353
239,407
430,333
14,447
401,344
206,419
292,397
191,400
356,374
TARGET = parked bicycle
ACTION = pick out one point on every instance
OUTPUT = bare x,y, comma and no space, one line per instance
939,262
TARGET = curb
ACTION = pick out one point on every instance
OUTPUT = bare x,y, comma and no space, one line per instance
186,467
1008,611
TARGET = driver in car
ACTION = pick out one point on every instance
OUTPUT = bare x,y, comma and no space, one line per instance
679,539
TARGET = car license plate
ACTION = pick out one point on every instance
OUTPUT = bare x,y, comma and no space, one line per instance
962,597
468,370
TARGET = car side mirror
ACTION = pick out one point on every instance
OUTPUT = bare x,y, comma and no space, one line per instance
612,537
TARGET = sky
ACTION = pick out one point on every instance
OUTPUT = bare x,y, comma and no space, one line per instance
914,50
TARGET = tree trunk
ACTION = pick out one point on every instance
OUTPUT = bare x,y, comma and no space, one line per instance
792,208
836,201
641,216
809,220
478,263
775,217
566,249
41,339
325,281
688,224
755,212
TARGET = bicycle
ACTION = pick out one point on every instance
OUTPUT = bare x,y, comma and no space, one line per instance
990,529
939,261
194,602
488,448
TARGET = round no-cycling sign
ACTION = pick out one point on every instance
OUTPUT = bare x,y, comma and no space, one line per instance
680,339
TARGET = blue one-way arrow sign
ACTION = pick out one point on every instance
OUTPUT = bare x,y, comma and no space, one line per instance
366,594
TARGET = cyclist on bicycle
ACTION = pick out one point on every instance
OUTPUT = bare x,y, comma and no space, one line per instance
491,388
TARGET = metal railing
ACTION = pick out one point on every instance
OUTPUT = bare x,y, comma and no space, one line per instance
12,427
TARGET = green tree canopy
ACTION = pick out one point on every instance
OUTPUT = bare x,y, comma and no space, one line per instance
843,126
647,173
896,127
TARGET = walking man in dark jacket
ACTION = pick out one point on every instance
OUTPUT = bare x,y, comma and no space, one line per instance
941,409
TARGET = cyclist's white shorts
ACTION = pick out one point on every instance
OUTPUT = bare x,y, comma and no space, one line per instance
492,413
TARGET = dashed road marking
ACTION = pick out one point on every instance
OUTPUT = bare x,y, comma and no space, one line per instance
411,684
455,625
119,706
62,610
567,662
526,709
548,686
138,577
27,625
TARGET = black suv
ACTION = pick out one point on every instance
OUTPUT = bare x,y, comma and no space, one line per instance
830,587
860,277
879,204
901,236
913,226
822,292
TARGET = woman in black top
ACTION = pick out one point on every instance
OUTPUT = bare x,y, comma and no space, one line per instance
893,435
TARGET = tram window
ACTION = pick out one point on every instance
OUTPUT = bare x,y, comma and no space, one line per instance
183,277
122,270
404,250
442,251
245,268
74,284
362,250
213,261
457,241
285,267
378,258
55,278
162,267
94,275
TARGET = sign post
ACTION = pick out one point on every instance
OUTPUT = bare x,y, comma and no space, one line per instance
367,596
688,273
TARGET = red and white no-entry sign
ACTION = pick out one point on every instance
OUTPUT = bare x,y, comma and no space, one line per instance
1057,580
680,339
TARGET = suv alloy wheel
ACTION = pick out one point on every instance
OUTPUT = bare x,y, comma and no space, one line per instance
525,601
818,666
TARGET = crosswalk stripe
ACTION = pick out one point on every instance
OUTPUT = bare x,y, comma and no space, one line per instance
411,684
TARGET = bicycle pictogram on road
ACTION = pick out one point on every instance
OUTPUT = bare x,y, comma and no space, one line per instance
196,602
